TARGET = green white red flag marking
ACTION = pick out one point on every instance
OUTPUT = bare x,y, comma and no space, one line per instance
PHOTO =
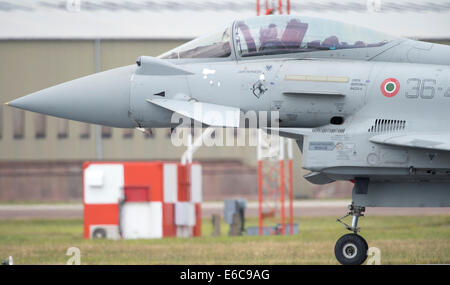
390,87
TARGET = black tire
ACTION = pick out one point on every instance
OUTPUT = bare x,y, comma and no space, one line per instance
351,249
99,233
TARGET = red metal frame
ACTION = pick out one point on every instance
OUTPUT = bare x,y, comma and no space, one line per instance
260,196
269,10
272,176
283,215
291,198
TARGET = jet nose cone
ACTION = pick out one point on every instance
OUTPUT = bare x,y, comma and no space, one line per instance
101,98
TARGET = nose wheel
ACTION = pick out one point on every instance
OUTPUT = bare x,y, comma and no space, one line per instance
351,249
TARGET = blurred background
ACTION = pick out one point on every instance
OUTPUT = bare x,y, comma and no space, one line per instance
43,43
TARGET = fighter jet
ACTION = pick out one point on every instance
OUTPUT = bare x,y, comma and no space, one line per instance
362,106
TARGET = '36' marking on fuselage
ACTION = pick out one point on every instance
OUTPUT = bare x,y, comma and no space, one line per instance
424,88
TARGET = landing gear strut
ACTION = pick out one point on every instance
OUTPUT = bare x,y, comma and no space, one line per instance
351,249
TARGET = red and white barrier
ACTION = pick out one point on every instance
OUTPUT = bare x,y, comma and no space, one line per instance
141,199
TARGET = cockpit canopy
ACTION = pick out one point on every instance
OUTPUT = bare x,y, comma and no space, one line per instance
272,35
286,34
215,45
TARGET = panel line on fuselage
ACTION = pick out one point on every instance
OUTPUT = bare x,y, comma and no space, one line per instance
317,78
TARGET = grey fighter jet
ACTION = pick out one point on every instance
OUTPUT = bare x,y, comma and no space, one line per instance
362,106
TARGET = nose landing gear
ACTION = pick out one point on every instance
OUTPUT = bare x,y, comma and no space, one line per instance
351,249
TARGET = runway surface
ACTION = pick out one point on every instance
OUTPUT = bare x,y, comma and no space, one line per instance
301,209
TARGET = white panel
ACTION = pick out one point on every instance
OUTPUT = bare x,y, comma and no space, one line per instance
94,178
196,183
184,214
180,216
103,183
170,183
156,220
141,220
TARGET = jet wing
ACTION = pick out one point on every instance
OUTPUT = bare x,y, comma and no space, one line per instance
297,134
209,114
292,133
433,141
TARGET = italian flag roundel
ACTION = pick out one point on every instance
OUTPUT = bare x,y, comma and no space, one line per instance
390,87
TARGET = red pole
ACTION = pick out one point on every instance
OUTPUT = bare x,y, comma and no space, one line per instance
257,7
260,197
288,7
280,6
291,199
282,196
